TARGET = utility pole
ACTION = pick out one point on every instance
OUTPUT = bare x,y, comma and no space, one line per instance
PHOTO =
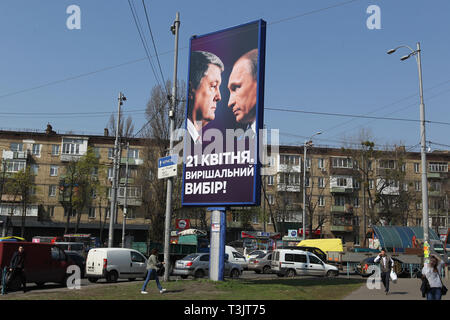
2,189
363,160
174,28
114,184
304,192
125,204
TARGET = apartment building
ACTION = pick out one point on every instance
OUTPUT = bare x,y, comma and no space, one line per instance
335,192
47,155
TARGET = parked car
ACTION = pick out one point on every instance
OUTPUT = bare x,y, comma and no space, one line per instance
44,262
197,265
115,263
78,247
292,262
261,263
255,253
79,260
235,256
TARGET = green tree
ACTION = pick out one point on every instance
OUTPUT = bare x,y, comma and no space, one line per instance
21,185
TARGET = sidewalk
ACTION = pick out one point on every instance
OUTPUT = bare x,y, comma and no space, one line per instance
404,289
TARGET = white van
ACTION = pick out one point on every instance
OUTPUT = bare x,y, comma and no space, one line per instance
115,263
235,256
292,262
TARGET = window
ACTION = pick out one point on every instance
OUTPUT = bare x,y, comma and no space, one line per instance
111,153
52,191
66,212
16,146
341,182
387,164
72,146
58,254
342,163
314,260
308,163
321,163
299,258
403,167
270,180
438,167
289,160
15,166
108,211
51,211
289,257
133,153
204,258
339,200
321,201
356,202
416,167
417,185
307,182
36,150
270,199
255,218
137,257
55,149
53,171
34,169
370,183
110,173
369,164
95,171
97,152
435,186
235,217
91,213
356,184
321,182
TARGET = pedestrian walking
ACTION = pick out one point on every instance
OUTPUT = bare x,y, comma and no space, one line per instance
17,266
386,264
153,265
431,273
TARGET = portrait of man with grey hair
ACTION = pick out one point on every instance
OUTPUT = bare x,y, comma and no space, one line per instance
204,91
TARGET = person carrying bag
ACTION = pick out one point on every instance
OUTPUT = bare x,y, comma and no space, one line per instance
431,275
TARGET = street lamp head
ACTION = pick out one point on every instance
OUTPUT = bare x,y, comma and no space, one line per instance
391,51
405,57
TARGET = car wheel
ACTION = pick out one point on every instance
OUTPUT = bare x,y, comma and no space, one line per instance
331,274
93,280
235,274
199,274
280,275
131,279
258,271
290,273
266,269
112,276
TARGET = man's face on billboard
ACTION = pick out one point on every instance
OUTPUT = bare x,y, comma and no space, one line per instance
207,94
242,88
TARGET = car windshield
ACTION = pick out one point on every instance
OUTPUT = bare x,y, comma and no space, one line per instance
190,257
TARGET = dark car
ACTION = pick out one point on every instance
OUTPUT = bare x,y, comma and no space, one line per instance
78,260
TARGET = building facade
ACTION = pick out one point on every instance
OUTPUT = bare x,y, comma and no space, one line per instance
47,155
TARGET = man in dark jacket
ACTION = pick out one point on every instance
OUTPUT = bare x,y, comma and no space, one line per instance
17,265
386,264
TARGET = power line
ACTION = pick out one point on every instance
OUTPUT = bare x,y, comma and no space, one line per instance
353,115
153,41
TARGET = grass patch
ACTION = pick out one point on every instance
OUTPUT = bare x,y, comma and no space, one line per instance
276,289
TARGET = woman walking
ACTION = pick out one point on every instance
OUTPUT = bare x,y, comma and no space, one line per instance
153,266
431,272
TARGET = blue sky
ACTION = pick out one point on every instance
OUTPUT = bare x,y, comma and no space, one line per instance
327,61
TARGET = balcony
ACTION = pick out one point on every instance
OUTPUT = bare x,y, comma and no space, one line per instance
341,190
15,155
234,224
131,161
134,202
338,209
288,188
124,181
435,175
70,157
434,193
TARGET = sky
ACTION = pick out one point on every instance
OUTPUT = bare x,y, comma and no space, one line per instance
320,57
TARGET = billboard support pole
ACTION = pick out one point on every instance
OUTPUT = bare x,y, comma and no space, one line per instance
217,245
174,28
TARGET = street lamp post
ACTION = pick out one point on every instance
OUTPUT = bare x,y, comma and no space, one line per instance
423,154
308,142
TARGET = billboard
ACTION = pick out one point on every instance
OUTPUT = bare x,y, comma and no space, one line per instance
224,112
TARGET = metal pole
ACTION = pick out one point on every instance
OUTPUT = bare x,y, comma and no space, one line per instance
114,184
174,28
304,192
423,153
125,204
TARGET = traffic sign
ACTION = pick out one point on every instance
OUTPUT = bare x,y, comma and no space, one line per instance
167,167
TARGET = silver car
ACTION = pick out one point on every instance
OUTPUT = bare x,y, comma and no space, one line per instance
197,266
261,263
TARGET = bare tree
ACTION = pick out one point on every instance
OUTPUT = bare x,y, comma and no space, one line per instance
126,126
